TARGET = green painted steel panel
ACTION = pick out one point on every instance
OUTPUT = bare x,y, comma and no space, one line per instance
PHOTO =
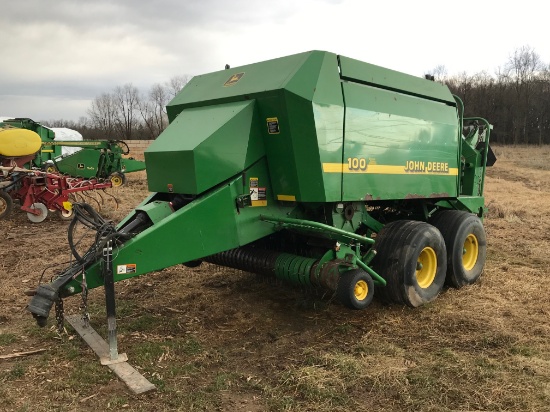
203,147
252,79
371,74
300,94
391,119
210,224
398,146
310,114
129,165
83,163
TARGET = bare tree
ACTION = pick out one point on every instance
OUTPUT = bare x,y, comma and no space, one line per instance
439,73
153,110
103,114
175,84
126,99
541,104
522,67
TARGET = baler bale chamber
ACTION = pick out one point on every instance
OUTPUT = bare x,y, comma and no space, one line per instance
314,168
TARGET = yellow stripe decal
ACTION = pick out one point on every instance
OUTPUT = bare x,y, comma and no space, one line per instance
384,170
333,167
286,198
72,143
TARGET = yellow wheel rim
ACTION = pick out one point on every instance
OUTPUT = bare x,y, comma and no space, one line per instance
50,169
116,181
361,290
470,252
426,267
3,205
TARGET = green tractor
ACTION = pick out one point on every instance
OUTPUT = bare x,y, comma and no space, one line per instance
314,168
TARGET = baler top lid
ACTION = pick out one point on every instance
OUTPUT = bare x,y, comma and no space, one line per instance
372,75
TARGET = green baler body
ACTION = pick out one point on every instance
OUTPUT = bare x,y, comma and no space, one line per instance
313,141
332,129
291,134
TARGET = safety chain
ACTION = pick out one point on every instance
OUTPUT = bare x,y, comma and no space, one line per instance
59,312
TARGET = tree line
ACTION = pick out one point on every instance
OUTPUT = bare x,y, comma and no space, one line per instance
515,100
126,113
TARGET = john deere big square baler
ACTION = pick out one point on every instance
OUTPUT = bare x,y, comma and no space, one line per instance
314,168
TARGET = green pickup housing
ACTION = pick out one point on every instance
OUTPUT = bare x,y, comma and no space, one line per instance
317,169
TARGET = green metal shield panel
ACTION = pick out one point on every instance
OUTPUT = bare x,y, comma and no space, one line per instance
310,116
397,146
306,137
227,85
203,147
130,165
210,224
370,74
301,115
391,119
83,163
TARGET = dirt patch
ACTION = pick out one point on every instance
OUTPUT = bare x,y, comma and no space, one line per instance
218,339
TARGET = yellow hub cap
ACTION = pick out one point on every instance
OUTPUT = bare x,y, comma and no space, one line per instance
426,267
116,181
470,252
361,290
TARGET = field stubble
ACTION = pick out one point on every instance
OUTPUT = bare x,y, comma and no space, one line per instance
218,339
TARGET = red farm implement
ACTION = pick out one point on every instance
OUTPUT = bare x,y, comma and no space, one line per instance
40,192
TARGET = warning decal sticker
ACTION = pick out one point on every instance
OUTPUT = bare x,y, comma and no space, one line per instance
126,269
258,195
273,125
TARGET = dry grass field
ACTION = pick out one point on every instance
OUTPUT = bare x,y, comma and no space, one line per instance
222,340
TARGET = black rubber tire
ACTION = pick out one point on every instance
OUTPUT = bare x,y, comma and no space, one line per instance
351,289
6,204
118,179
192,263
65,214
457,227
399,247
50,169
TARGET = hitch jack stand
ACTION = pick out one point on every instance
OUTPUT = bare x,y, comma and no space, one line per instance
114,356
108,352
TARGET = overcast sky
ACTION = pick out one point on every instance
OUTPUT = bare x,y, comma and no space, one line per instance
57,55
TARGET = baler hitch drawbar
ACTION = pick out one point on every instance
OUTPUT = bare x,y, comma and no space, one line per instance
47,294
